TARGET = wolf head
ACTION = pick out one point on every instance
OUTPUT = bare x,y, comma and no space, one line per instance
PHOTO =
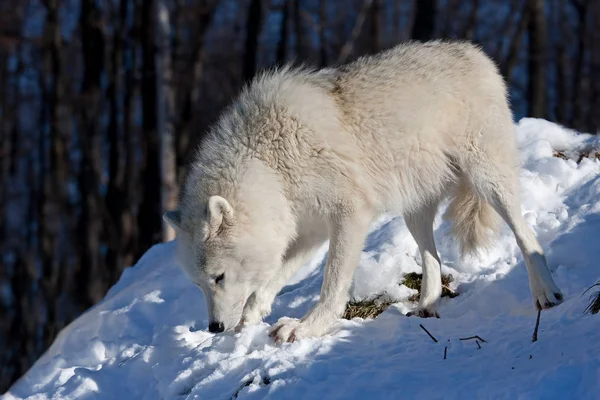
231,252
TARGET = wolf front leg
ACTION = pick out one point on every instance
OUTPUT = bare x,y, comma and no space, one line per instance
312,233
347,237
260,303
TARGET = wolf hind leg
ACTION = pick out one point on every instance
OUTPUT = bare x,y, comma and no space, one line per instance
498,185
420,225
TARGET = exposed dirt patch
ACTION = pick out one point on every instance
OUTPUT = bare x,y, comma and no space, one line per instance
373,308
413,281
577,157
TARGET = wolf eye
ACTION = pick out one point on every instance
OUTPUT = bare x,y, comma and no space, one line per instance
219,278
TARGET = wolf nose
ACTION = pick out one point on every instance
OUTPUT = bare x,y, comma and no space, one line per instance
216,327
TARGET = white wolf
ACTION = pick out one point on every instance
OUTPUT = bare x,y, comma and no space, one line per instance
304,156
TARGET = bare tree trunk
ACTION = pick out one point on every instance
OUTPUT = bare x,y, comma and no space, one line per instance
538,39
376,26
580,78
92,279
348,46
562,64
6,153
396,20
281,53
505,31
132,192
52,201
322,30
253,28
188,90
149,219
447,24
116,200
301,47
512,57
165,98
424,24
593,117
12,315
472,21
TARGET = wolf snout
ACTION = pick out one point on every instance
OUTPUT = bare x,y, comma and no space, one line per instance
216,327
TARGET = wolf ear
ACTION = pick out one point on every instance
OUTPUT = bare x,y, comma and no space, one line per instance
219,211
173,218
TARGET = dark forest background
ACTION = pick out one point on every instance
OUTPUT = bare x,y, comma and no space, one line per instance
102,101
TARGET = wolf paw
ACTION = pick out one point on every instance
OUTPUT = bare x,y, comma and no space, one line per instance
424,312
254,312
545,292
247,320
291,329
548,297
285,330
252,316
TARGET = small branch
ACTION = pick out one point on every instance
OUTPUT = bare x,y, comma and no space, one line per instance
310,19
360,19
537,325
594,306
445,351
474,337
478,345
427,332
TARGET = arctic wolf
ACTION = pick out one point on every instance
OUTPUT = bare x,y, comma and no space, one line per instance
302,156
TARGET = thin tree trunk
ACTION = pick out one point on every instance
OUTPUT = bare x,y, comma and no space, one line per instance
447,28
149,218
396,20
253,29
376,26
593,117
188,91
6,155
322,33
92,280
562,65
472,21
512,57
301,48
424,24
165,98
580,79
281,53
537,59
348,46
52,202
130,228
116,200
506,29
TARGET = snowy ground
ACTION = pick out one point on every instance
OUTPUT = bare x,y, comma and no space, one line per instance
147,339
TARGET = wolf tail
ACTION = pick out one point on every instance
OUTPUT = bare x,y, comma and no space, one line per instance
474,220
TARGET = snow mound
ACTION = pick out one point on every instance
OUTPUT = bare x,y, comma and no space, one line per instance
147,338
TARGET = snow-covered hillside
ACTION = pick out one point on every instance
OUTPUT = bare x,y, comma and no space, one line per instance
147,339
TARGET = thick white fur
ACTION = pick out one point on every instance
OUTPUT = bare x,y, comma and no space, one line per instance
302,156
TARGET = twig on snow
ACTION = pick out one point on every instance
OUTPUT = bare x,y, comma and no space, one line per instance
264,382
474,337
594,307
445,351
427,332
537,325
478,345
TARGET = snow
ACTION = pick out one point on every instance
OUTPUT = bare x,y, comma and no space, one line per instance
147,338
